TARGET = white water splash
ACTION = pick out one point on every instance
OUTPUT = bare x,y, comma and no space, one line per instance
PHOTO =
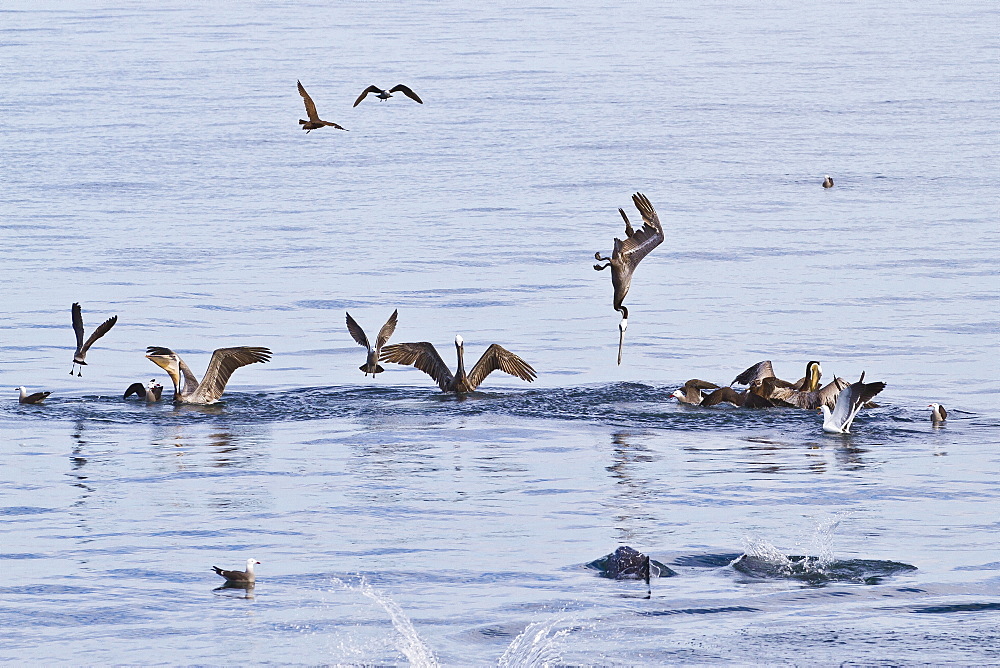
765,551
823,541
534,646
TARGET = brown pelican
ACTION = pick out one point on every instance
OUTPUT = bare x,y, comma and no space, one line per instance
744,399
938,413
762,370
222,365
787,396
692,393
386,94
371,366
25,398
246,577
151,392
849,402
80,356
627,254
423,356
314,122
828,181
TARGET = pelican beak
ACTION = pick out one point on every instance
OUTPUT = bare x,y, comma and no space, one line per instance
622,326
167,364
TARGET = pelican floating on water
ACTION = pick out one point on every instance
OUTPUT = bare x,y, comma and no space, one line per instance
386,94
627,254
246,577
827,181
222,365
314,122
371,366
938,413
25,398
762,370
849,402
80,356
152,392
424,357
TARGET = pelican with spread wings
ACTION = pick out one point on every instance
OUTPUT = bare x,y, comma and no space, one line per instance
222,365
627,255
424,357
314,122
371,365
80,356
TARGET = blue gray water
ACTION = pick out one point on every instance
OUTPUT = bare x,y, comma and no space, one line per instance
152,167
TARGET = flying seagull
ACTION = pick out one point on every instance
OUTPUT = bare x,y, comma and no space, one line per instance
222,365
25,398
424,357
627,255
386,94
150,392
314,122
80,356
828,181
938,413
246,577
849,402
371,366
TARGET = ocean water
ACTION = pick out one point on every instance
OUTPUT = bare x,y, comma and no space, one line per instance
151,166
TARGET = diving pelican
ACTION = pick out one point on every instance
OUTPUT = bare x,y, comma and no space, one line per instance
150,392
246,577
371,366
424,357
314,122
691,392
386,94
828,181
222,365
25,398
849,402
80,356
938,413
627,254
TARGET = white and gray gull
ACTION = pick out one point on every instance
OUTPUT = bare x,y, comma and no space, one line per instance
849,402
80,356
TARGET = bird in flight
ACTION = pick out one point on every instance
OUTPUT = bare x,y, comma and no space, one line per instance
314,122
386,94
80,356
371,365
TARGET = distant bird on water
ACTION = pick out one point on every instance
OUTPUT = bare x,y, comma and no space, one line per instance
150,392
314,122
80,356
386,94
828,181
222,365
849,402
938,413
627,254
424,357
25,398
371,366
246,577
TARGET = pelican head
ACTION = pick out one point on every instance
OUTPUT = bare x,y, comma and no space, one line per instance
459,341
167,360
813,373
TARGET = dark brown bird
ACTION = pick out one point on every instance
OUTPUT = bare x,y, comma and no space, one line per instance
742,398
371,366
691,392
811,399
25,398
762,370
828,181
246,577
314,122
80,356
424,357
386,94
627,254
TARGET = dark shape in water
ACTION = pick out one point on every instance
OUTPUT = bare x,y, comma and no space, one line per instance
813,572
628,564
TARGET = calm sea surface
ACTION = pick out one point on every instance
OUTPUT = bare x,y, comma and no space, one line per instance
151,166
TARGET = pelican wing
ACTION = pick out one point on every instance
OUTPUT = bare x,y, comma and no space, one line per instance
357,333
639,244
726,394
499,358
99,332
78,325
370,89
423,356
137,389
222,365
827,395
387,329
758,371
405,90
310,105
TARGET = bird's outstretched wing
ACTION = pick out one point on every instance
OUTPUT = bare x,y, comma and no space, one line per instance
99,332
387,329
639,244
423,356
852,398
370,89
758,371
310,105
222,365
334,125
499,358
78,325
405,90
357,333
701,384
137,389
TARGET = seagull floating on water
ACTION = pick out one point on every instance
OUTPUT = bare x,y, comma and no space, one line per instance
222,365
314,122
246,577
938,413
692,391
386,94
80,356
25,398
425,357
627,254
371,366
150,392
828,181
849,402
